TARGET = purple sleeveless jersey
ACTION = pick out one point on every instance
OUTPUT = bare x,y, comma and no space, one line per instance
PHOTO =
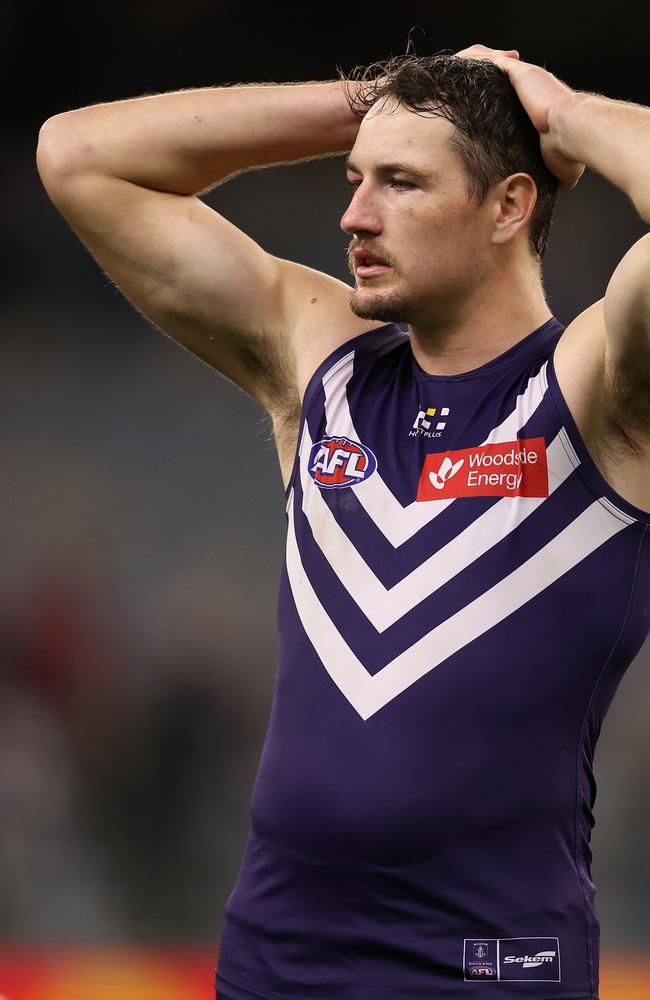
461,595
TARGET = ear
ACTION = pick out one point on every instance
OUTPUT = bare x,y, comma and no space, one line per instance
513,202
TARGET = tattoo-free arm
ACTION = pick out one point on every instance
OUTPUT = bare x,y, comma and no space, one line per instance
612,138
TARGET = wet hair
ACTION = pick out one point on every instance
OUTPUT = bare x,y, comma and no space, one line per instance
493,133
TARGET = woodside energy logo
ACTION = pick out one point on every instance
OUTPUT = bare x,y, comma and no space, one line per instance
508,469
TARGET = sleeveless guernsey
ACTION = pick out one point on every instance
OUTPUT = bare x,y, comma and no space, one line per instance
461,596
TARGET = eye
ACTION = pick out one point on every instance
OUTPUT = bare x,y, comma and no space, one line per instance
398,185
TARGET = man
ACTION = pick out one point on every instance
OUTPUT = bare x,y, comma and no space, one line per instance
467,573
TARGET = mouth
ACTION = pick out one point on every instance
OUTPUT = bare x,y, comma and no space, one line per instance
368,266
372,270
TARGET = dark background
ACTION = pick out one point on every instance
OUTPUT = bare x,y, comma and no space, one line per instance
142,523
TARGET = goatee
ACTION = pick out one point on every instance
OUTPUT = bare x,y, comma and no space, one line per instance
386,309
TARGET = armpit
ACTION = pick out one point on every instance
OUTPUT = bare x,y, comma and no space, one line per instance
274,376
627,406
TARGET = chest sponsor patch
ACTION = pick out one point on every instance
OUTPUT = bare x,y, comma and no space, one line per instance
335,462
508,469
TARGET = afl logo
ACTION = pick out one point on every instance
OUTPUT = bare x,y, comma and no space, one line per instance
337,461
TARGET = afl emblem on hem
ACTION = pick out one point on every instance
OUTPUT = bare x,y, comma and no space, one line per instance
519,960
335,462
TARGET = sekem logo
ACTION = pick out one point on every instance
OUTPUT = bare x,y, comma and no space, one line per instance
531,961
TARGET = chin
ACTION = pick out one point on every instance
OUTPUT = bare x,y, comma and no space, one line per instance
386,308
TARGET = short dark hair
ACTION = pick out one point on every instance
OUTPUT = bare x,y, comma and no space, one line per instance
493,133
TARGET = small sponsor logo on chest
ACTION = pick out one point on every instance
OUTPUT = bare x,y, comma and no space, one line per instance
428,422
508,469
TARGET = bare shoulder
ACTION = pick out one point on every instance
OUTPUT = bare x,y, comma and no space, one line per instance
612,414
320,320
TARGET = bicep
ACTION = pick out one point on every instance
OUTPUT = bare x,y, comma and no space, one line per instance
264,322
187,268
626,310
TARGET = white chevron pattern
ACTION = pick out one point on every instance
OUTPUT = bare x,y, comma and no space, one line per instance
384,606
398,523
368,693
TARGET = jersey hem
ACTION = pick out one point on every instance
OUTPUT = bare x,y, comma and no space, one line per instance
238,992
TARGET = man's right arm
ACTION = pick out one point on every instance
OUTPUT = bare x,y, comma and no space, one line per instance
126,176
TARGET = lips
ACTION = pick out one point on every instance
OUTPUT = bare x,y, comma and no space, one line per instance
367,259
368,264
371,270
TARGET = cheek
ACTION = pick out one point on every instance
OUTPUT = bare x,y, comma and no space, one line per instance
445,244
464,238
448,237
451,223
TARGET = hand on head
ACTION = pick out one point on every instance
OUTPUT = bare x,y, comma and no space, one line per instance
544,98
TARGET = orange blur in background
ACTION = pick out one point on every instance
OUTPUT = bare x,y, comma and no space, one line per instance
187,974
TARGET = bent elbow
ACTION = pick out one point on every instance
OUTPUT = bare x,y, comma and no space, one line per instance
64,149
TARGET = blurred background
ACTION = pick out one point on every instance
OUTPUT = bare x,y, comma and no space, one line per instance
143,526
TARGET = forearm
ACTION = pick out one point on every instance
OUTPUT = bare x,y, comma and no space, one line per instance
608,136
185,142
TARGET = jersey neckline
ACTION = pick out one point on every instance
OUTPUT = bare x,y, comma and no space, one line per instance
532,342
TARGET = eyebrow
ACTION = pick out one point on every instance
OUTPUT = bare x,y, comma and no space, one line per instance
391,168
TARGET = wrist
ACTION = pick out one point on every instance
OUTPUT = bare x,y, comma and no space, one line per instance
344,96
560,116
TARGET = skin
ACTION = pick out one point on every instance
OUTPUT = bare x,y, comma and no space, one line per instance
460,267
456,265
126,176
543,96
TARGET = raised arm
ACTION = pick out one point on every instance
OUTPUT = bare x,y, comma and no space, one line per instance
126,176
603,359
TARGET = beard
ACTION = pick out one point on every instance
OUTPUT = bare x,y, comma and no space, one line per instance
387,307
390,307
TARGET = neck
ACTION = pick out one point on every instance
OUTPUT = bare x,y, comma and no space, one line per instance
488,322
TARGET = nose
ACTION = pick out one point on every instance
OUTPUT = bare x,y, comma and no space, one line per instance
361,215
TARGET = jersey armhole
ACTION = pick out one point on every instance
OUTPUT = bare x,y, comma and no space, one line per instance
371,340
587,468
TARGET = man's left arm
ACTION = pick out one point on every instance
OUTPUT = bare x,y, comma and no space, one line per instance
611,137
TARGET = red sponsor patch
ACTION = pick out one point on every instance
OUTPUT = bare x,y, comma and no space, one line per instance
509,469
